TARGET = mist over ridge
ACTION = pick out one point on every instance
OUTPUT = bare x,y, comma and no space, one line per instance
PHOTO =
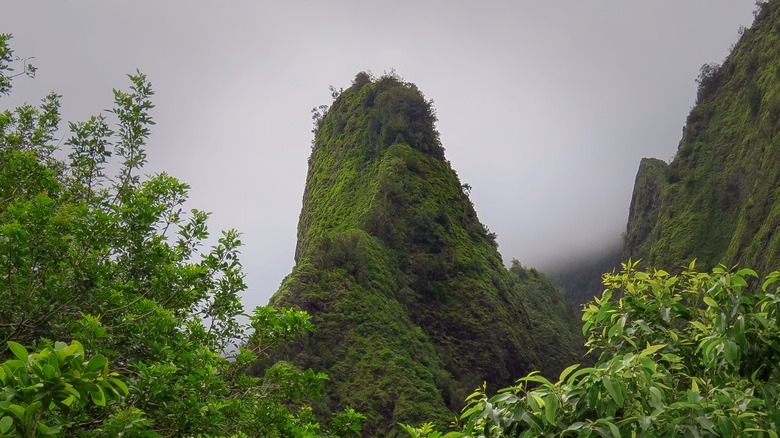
544,108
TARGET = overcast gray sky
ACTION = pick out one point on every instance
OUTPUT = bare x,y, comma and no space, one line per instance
545,107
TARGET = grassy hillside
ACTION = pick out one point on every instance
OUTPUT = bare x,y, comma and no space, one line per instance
413,305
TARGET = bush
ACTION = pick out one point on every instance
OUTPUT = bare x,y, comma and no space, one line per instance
708,80
695,354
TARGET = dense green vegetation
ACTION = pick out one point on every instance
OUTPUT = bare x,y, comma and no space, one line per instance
133,326
117,319
413,305
717,199
690,355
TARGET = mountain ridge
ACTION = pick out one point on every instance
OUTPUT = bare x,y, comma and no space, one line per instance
716,200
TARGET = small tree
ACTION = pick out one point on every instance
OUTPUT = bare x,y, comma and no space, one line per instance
708,80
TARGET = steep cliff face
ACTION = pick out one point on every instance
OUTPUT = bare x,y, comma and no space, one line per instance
651,179
413,305
720,201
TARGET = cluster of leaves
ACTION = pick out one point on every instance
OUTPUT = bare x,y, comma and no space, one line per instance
92,251
40,390
691,355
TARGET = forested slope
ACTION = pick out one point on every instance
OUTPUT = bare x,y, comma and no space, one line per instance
718,200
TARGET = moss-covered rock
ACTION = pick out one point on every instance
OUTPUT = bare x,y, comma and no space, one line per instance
413,305
651,178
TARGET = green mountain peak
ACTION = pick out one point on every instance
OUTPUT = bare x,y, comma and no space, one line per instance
413,305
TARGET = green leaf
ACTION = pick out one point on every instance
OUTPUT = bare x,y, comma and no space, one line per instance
17,410
67,401
771,279
73,392
580,372
711,302
738,281
536,378
31,411
614,390
19,351
471,411
651,349
726,426
617,328
747,271
6,423
474,394
551,406
535,402
120,384
44,430
705,423
75,349
98,396
732,352
612,428
97,363
568,371
48,371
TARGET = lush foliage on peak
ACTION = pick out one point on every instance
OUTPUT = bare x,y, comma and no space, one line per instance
691,355
412,302
113,265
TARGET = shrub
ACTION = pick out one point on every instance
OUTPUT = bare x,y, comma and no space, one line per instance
697,354
708,80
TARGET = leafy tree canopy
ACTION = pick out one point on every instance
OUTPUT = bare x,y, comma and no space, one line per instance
95,254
